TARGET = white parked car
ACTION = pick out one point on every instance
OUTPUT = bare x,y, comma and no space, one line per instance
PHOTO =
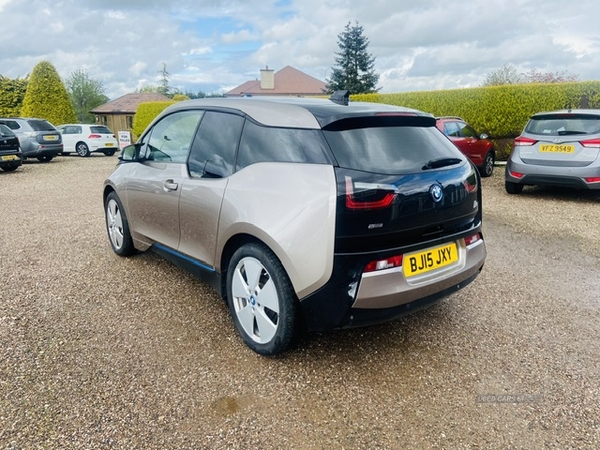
84,139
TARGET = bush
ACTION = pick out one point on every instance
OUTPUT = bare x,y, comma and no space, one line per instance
146,113
499,111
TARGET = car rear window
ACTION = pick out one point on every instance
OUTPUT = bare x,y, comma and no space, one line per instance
5,131
562,124
101,129
388,145
12,124
41,125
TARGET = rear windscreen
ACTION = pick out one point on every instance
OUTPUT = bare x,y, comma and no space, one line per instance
394,147
562,125
101,129
41,125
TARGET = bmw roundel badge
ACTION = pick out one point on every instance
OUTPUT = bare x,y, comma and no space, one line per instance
437,194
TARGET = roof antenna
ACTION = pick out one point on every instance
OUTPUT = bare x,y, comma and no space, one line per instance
340,97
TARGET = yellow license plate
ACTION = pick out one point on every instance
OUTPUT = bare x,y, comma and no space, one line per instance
553,148
434,258
110,144
9,158
50,138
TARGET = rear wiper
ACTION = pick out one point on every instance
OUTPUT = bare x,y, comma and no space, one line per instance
441,162
569,132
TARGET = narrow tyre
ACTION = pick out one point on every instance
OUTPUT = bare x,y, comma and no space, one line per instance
45,158
117,226
109,152
261,299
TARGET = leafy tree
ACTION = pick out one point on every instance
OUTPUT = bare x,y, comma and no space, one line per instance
533,76
354,70
85,94
507,74
150,88
46,96
12,93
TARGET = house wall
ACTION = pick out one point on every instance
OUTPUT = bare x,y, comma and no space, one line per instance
117,122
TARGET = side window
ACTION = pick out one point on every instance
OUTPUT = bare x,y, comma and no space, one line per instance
215,146
265,144
171,138
451,129
466,130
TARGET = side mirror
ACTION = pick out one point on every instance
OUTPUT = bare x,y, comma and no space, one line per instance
130,153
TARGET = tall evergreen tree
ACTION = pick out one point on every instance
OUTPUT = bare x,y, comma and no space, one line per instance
46,96
86,94
354,71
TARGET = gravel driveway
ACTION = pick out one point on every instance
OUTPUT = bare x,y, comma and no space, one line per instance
102,352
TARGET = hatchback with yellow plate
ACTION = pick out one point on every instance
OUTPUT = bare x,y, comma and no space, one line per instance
558,148
303,214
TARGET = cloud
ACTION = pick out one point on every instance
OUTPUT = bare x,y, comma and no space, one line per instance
214,45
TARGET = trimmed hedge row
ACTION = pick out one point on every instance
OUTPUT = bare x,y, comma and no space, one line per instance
499,111
146,113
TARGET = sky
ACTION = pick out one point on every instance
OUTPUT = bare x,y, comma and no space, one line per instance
212,46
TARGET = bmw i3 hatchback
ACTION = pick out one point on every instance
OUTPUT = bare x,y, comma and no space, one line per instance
301,213
558,148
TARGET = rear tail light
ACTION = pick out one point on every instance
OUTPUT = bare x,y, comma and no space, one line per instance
470,184
470,240
368,195
592,143
592,179
516,174
524,142
382,264
94,136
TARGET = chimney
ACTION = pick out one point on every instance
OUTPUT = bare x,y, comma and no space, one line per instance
267,78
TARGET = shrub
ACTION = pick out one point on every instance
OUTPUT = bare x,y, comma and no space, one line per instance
146,113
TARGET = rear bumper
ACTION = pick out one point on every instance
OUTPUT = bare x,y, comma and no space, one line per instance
352,298
574,177
35,150
11,159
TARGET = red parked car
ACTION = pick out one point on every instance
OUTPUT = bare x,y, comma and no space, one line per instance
478,148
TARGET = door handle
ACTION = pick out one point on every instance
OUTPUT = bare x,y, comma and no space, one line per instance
170,185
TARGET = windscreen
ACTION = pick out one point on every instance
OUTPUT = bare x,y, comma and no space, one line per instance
41,125
388,145
564,124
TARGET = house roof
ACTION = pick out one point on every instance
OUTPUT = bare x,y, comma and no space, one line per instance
288,81
129,103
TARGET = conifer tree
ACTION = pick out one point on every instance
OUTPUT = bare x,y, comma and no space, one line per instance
46,96
354,71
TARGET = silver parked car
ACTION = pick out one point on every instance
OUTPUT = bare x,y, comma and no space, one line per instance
38,137
302,213
558,148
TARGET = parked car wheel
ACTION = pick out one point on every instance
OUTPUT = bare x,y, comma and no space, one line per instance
513,188
82,149
109,152
488,164
45,158
117,226
261,299
9,168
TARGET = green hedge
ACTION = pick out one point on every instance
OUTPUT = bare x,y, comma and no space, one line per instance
145,113
499,111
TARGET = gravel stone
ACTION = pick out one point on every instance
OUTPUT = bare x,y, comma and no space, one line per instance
103,352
